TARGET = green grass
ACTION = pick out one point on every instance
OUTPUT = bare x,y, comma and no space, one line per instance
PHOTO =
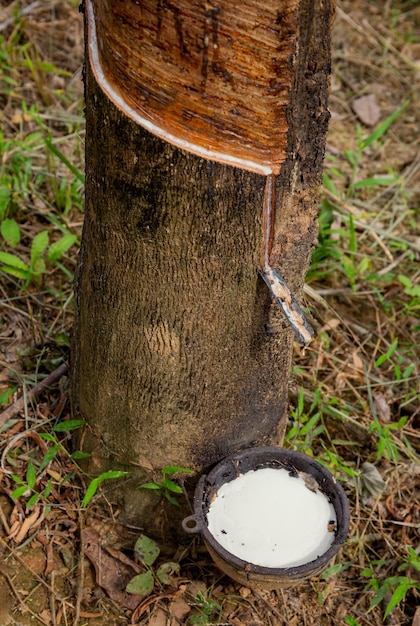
41,193
355,395
34,191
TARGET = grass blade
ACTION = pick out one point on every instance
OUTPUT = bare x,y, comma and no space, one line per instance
382,128
64,160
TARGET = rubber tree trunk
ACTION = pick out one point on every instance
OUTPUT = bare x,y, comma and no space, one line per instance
180,356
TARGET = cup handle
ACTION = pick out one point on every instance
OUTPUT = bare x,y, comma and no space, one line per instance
192,524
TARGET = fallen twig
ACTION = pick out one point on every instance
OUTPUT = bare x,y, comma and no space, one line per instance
22,13
17,406
81,573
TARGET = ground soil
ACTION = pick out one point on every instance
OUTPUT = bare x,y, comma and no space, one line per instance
70,567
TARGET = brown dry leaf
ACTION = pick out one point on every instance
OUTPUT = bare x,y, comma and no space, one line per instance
49,552
330,324
159,618
194,588
357,362
370,484
53,474
341,381
18,118
367,109
144,462
113,571
244,592
179,610
146,603
5,378
382,407
416,618
19,531
46,616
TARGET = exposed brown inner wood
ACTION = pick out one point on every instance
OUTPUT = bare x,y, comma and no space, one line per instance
206,73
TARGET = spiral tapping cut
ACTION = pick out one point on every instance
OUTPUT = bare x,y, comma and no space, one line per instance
273,278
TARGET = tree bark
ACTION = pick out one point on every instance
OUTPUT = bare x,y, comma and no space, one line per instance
180,356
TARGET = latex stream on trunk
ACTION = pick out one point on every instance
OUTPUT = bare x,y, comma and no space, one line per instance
272,276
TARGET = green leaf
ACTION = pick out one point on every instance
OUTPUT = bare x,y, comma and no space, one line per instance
146,549
4,397
33,500
367,572
94,484
47,489
397,596
198,619
173,469
165,571
413,560
331,571
374,182
364,266
90,492
388,354
171,486
378,597
4,200
111,474
18,480
17,273
151,485
31,474
170,498
19,491
310,424
401,422
353,235
38,267
68,425
62,339
350,621
78,454
48,437
10,232
13,261
58,248
414,291
330,186
142,584
405,281
351,157
39,243
409,288
50,454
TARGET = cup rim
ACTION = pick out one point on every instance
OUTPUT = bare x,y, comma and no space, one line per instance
259,458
